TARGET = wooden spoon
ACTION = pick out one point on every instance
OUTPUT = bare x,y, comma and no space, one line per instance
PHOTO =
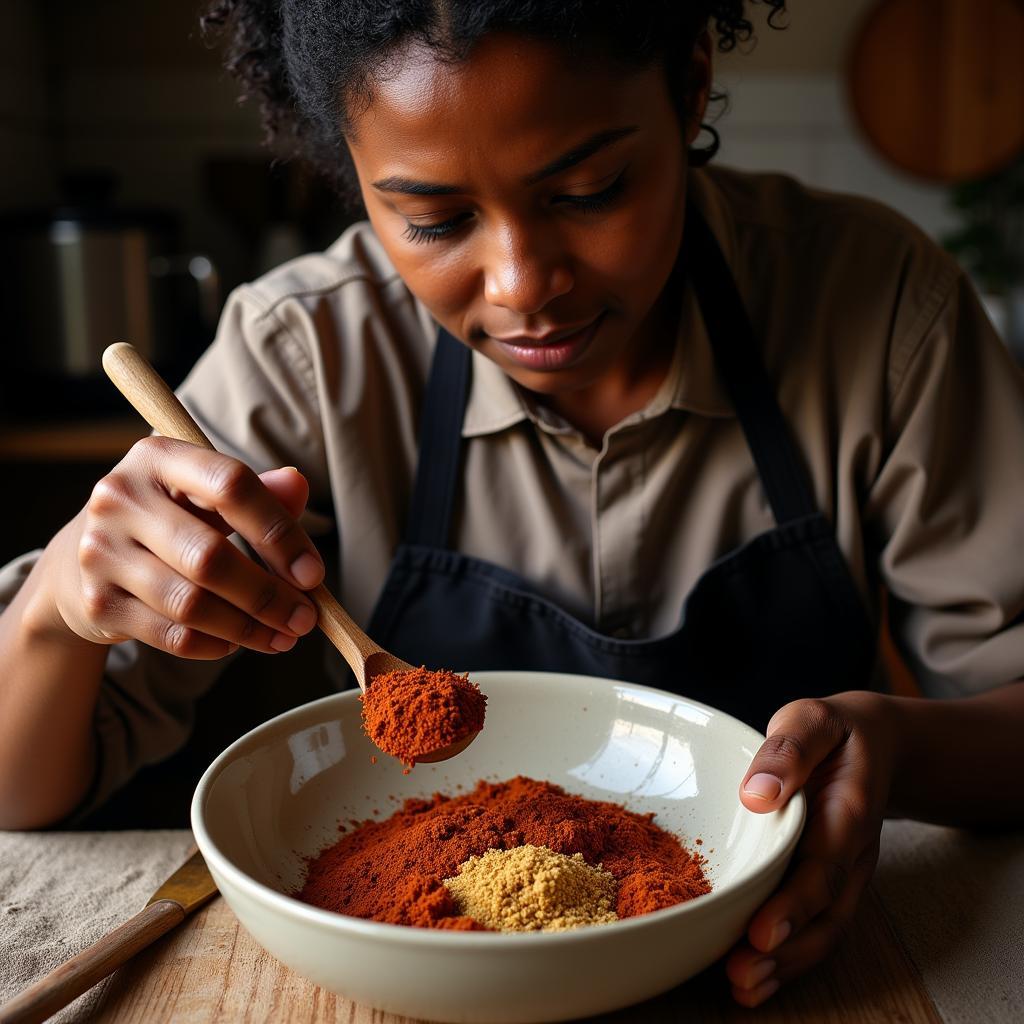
146,390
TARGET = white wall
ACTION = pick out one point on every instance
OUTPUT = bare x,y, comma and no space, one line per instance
800,123
789,112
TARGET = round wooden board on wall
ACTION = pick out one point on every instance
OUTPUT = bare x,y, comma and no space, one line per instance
938,85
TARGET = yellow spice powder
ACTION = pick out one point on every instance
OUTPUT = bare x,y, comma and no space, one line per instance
532,888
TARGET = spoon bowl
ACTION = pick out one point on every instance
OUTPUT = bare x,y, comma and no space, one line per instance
149,394
368,660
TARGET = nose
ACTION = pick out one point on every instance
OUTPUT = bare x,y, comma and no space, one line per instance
525,269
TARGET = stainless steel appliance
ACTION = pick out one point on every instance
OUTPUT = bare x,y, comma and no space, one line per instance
76,278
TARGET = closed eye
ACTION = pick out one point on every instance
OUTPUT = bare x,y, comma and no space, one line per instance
432,232
596,201
593,202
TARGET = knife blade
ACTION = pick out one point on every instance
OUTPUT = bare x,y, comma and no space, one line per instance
190,886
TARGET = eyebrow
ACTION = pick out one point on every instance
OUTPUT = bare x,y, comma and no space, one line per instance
576,155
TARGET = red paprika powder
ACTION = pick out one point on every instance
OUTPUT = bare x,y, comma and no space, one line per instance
412,712
392,870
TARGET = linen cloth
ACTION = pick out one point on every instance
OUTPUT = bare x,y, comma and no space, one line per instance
61,891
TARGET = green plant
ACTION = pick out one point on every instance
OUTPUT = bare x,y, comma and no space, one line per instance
990,242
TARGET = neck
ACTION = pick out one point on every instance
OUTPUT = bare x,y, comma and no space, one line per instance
630,385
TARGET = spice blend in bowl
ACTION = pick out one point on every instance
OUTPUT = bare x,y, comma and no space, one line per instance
394,870
413,712
275,798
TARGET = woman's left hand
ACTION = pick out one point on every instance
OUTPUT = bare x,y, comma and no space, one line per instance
841,750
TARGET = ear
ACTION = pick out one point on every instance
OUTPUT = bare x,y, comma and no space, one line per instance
698,86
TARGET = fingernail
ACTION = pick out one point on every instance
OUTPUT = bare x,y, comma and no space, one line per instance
282,642
760,971
307,570
767,787
302,620
762,992
779,934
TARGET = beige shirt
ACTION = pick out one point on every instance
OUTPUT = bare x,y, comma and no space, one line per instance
906,408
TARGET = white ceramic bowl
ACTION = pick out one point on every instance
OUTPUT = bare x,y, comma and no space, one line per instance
279,792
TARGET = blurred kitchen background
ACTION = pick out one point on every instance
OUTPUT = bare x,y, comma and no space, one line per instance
134,194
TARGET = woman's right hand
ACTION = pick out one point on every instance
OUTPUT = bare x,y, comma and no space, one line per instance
150,557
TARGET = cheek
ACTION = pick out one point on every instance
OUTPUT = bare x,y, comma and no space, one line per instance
636,253
439,276
445,284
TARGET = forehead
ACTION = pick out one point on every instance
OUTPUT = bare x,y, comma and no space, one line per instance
512,100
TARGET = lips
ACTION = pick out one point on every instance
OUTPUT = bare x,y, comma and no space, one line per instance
550,337
554,350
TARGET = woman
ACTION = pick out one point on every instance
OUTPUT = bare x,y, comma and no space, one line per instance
677,425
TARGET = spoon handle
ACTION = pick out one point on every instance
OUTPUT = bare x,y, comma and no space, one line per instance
158,405
149,394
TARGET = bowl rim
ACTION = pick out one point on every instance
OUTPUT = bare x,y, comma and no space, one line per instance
795,809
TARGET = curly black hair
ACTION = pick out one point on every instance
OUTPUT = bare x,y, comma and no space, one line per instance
307,62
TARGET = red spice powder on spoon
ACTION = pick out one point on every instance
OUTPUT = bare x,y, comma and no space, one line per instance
414,712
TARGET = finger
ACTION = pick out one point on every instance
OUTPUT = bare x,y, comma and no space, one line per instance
178,599
749,969
212,519
224,485
287,484
290,488
841,829
813,887
208,559
122,616
800,737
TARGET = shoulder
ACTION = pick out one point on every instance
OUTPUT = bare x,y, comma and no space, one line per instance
323,342
356,262
331,316
773,202
331,300
831,270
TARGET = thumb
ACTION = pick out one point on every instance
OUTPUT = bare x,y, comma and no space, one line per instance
800,736
290,488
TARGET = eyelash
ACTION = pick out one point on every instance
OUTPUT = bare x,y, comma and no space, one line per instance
594,203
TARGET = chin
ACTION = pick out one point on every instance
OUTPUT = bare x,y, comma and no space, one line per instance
551,382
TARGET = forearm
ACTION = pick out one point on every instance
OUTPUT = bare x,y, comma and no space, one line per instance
959,761
48,692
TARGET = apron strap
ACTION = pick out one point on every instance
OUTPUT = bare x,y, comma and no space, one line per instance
440,448
735,348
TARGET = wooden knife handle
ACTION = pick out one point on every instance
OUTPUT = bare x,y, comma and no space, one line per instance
81,972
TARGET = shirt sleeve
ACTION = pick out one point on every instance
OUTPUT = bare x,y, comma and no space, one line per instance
252,395
947,505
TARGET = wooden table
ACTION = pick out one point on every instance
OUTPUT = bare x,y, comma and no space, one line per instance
209,970
939,937
103,440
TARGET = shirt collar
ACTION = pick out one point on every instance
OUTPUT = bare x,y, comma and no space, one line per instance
496,402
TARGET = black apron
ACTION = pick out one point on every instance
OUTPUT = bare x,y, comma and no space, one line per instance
776,620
